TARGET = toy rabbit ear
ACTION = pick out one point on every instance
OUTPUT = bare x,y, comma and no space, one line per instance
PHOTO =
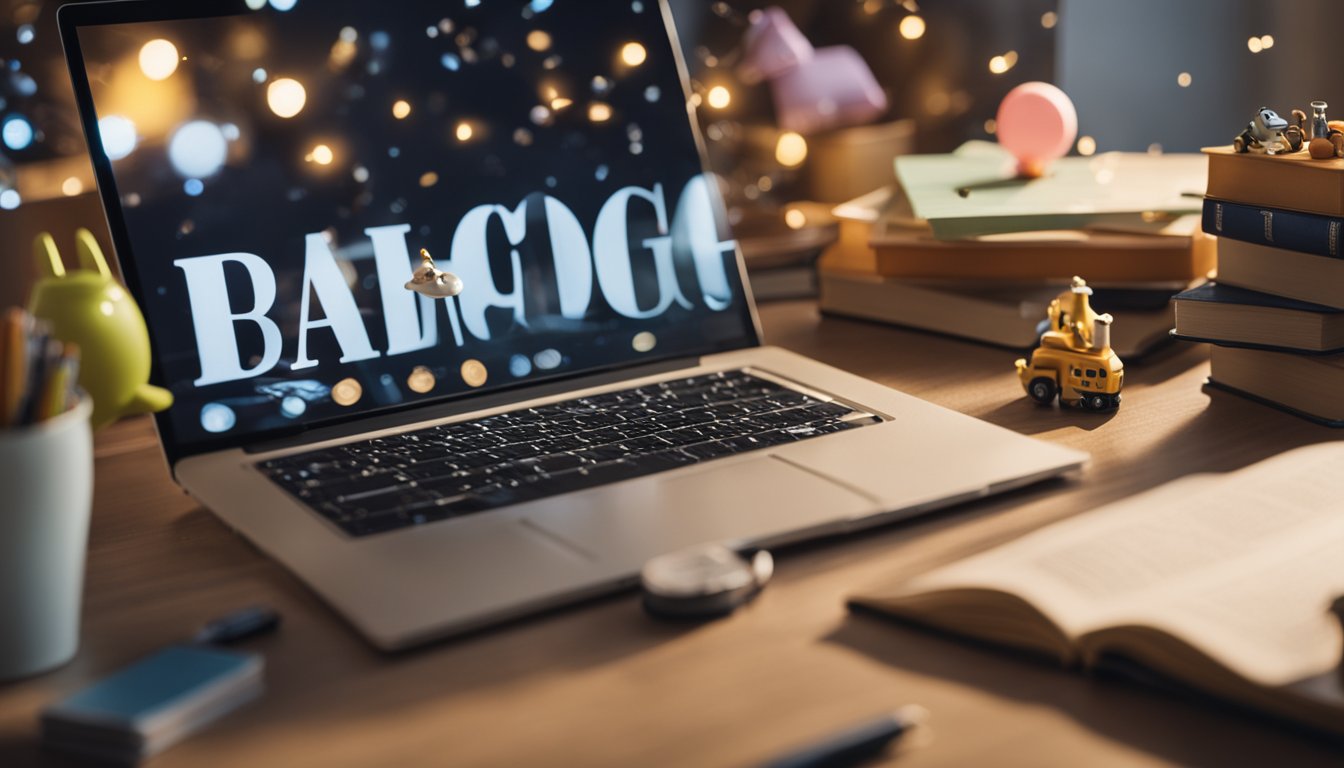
47,256
90,253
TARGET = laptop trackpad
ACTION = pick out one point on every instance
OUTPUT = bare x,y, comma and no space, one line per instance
743,501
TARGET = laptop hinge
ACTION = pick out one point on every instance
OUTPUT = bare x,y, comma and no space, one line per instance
416,415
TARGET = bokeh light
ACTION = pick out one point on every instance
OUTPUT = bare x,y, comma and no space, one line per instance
464,131
912,27
421,381
286,97
644,342
198,149
599,112
795,218
119,136
719,97
322,155
474,373
217,418
17,133
538,40
347,392
158,59
1184,79
633,54
1087,146
401,109
791,150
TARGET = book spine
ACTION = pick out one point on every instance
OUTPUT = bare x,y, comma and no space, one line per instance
1274,227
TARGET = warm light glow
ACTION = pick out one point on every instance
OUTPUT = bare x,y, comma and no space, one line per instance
599,112
912,27
464,132
1000,64
1255,45
158,59
633,54
991,126
1087,145
421,380
429,179
791,150
538,40
1266,42
474,373
644,342
401,110
286,97
347,392
1049,19
1184,79
72,186
718,97
560,102
795,218
322,155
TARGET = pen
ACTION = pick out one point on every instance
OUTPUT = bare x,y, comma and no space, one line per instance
855,745
249,622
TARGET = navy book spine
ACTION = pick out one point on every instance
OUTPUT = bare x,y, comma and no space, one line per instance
1274,227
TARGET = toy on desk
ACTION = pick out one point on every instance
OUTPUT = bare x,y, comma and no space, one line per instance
426,280
88,308
1270,134
815,89
1037,123
1326,136
1074,360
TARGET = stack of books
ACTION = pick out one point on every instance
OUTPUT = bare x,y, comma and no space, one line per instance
1276,312
945,250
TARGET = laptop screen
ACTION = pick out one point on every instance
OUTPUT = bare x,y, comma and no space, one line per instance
275,169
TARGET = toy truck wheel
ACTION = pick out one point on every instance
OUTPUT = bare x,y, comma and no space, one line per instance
1042,390
1097,402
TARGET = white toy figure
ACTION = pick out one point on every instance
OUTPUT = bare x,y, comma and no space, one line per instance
429,281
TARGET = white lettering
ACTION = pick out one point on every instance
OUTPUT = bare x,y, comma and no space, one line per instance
323,279
213,318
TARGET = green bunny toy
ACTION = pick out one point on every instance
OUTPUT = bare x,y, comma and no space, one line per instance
89,308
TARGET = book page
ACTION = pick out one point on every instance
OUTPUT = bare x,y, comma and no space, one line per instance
1240,566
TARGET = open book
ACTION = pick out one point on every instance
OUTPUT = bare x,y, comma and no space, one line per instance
1221,582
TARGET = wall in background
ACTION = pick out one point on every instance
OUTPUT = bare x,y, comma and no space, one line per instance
1120,62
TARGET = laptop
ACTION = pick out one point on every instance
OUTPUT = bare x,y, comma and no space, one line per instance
597,395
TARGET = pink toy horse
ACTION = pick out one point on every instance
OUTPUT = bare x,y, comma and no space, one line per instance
815,89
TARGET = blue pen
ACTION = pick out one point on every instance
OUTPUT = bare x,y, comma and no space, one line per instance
855,745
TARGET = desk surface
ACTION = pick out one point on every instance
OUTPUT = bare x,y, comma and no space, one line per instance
601,684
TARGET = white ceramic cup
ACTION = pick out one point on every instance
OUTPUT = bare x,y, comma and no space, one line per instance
46,493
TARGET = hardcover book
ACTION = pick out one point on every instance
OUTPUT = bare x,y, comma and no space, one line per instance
1225,314
1305,385
1281,272
1275,227
1292,182
1221,583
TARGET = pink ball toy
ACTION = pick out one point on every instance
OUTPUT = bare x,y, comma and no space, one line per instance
1037,123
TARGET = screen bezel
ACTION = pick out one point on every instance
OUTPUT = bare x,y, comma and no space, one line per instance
71,18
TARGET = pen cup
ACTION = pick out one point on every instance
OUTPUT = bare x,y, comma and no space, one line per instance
46,493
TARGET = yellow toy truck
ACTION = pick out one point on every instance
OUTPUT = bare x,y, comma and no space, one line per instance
1074,360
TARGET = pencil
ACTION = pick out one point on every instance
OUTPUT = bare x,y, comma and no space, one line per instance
14,367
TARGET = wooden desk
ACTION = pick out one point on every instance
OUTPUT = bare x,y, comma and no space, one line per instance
601,684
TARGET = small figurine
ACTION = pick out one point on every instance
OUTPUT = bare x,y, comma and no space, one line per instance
1327,138
1074,360
1271,134
429,281
815,89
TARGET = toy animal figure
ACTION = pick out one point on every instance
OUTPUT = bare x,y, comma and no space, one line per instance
815,89
429,281
88,307
1271,134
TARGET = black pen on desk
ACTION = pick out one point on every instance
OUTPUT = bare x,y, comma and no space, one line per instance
238,626
856,745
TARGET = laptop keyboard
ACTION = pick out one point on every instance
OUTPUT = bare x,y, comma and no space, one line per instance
386,483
